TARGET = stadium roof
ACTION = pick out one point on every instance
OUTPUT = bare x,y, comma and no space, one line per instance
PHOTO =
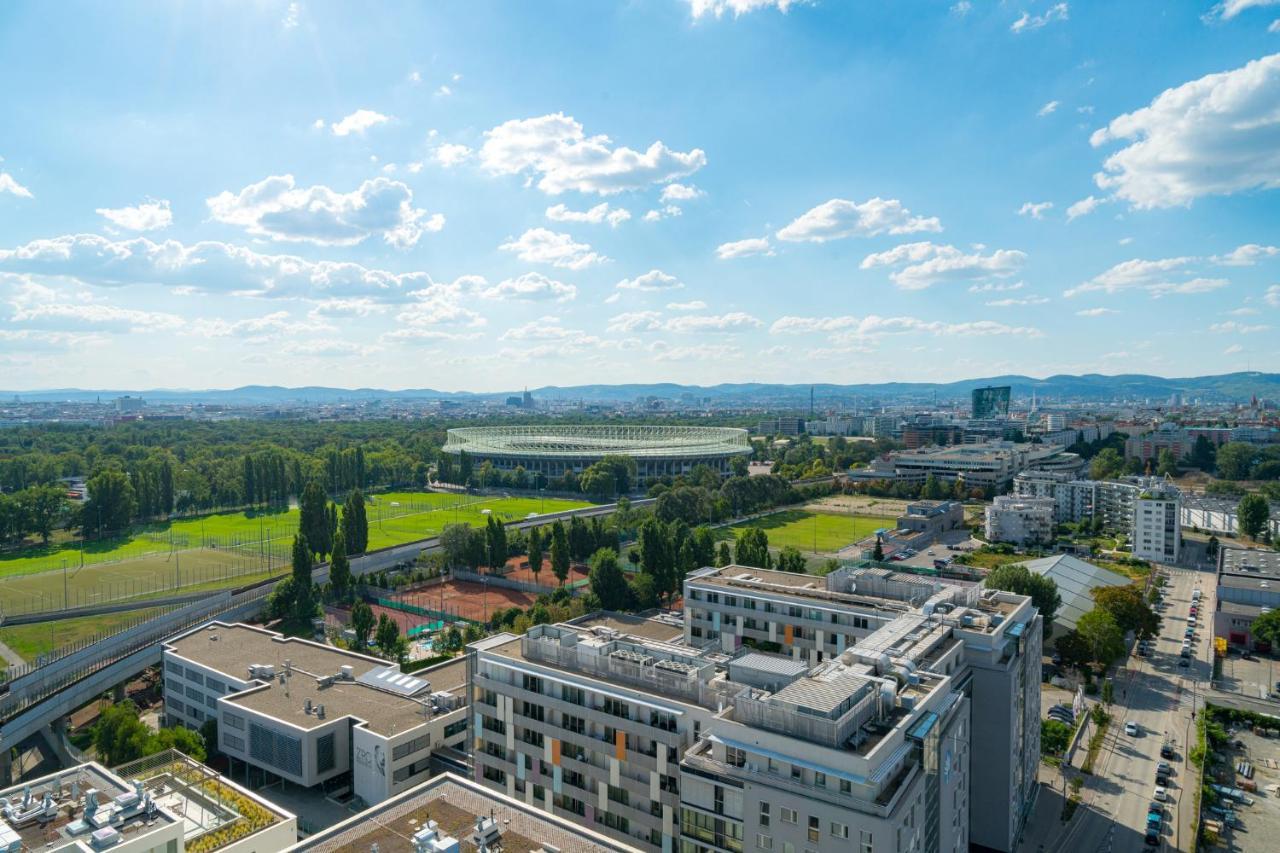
1076,580
594,441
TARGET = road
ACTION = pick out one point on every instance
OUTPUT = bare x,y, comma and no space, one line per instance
1159,696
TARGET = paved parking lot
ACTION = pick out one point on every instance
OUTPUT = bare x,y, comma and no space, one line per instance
1260,821
1253,678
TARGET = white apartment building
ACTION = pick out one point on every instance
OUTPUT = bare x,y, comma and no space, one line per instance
1021,521
847,726
1147,509
314,714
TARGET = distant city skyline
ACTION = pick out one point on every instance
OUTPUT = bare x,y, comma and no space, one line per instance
484,195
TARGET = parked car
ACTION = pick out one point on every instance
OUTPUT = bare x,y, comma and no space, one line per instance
1184,662
1166,750
1161,794
1131,728
1164,768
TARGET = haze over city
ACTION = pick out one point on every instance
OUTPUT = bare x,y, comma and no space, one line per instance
451,195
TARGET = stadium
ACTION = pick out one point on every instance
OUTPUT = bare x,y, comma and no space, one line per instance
552,450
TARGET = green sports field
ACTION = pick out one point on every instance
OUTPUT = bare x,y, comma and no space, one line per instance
31,641
814,532
223,550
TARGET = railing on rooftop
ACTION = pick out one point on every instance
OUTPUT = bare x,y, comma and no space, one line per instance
754,707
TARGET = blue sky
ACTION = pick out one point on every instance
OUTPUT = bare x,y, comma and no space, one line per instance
484,195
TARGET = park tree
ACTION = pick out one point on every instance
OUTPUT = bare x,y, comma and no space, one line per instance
608,581
1166,464
355,523
1102,636
1202,454
43,506
303,606
740,466
1055,736
559,552
1073,650
877,553
656,557
112,502
1235,460
724,557
683,503
535,551
340,579
791,560
362,623
1107,465
1017,578
644,595
1129,607
704,546
753,549
455,541
387,637
495,543
580,544
1266,628
1252,514
313,518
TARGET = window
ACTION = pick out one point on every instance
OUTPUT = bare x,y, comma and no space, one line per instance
764,842
175,705
192,693
820,779
535,712
788,815
734,757
173,668
764,814
455,729
410,747
532,683
194,677
839,830
617,708
866,841
275,749
232,741
211,701
233,721
797,773
577,725
846,787
215,686
815,828
324,753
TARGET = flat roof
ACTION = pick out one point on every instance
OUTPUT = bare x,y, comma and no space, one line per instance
385,711
1254,562
65,832
664,630
455,804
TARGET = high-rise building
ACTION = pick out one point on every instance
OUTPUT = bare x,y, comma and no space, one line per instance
792,713
991,402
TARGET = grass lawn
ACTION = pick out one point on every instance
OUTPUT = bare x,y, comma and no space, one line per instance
31,641
804,529
240,547
988,560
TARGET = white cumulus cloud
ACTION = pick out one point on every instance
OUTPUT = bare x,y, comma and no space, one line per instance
744,248
276,208
451,154
1161,277
718,8
9,184
1048,109
1035,209
921,265
148,216
530,287
734,321
694,305
602,212
839,218
554,150
1083,207
680,192
1213,136
651,281
543,246
358,122
1246,255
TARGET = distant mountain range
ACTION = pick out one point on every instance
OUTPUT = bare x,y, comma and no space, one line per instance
1089,387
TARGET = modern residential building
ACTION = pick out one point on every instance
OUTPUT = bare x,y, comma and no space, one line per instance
313,714
1146,509
1157,522
1248,585
792,713
449,813
85,808
781,426
1020,521
991,402
881,426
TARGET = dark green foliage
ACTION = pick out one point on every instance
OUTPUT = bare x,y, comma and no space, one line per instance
1017,578
559,552
355,523
1253,513
608,581
753,549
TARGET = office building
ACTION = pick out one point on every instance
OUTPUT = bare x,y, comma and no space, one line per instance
991,402
313,714
127,405
1020,521
83,808
990,465
449,813
927,519
793,712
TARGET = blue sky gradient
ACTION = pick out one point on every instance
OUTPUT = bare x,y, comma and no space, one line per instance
928,191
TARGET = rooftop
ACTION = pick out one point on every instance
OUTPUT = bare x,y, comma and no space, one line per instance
1076,580
388,702
664,628
58,812
1250,562
455,804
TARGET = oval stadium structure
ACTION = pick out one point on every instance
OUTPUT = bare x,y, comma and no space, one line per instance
554,449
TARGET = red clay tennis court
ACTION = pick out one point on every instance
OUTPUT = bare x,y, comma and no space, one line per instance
517,569
464,600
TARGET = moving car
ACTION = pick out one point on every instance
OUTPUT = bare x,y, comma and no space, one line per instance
1131,728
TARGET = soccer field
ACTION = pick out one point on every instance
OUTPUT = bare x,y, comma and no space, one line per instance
238,548
813,532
